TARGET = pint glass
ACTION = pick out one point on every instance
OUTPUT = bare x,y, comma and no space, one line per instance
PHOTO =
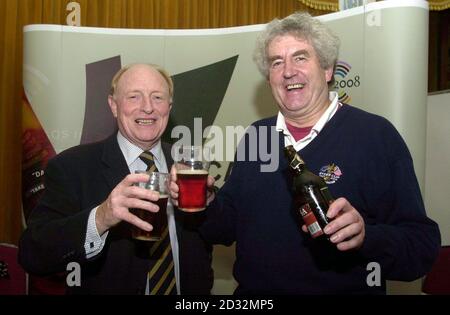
192,165
157,182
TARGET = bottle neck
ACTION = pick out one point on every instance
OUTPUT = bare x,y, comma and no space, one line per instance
295,161
297,164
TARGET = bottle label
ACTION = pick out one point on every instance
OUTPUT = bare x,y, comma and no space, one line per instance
310,221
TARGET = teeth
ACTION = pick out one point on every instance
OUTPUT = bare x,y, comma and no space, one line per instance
145,121
295,86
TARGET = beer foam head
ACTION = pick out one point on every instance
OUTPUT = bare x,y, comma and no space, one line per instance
192,172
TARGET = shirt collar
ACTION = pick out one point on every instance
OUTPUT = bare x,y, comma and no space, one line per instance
326,116
131,151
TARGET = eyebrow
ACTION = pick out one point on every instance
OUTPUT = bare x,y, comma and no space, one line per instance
163,93
132,91
143,92
301,52
295,54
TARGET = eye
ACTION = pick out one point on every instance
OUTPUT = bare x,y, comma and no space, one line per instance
158,98
299,58
276,63
134,97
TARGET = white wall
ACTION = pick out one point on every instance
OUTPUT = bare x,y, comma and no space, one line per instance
223,260
437,177
437,167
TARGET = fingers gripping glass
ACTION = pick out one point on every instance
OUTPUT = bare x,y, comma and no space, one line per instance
157,182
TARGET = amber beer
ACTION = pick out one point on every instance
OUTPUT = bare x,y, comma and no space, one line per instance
157,219
192,194
192,165
157,182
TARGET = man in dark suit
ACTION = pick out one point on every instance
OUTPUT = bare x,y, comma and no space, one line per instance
84,215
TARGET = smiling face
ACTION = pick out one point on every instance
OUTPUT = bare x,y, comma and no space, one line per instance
298,82
141,104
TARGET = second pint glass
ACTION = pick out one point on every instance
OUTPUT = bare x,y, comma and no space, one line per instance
192,165
157,182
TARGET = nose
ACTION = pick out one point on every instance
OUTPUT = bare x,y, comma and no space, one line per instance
289,69
147,105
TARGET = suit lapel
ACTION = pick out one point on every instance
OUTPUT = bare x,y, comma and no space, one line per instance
115,167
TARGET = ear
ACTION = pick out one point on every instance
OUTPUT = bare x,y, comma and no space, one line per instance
113,105
329,74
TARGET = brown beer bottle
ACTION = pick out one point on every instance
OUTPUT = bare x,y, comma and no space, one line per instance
311,194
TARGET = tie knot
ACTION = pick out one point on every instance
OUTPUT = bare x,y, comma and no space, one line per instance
148,158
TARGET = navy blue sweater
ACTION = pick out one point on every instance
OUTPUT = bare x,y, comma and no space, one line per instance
273,256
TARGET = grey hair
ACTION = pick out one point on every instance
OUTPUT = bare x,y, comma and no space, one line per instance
301,25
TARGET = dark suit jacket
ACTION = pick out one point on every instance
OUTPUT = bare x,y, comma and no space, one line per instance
77,180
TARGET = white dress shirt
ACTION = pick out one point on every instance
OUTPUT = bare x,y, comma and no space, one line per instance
326,116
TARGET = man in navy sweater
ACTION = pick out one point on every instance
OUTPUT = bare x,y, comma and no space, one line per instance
379,221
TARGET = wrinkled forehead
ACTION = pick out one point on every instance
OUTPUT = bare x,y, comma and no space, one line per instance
288,43
292,36
142,78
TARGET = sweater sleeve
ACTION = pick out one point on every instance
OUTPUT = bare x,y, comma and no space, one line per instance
399,235
220,225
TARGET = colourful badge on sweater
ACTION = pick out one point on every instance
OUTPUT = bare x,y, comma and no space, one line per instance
330,173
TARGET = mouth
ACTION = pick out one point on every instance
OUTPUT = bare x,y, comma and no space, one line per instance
145,122
295,86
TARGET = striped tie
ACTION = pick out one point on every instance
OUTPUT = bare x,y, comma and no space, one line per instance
161,277
147,158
